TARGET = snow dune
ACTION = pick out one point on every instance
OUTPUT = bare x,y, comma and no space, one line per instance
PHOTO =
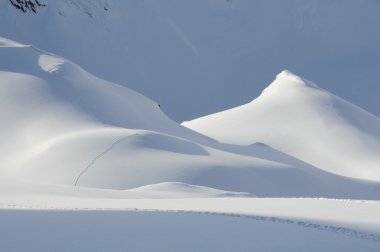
182,190
15,193
219,59
64,126
297,117
90,165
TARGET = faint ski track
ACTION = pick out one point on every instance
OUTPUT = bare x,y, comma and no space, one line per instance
300,223
100,155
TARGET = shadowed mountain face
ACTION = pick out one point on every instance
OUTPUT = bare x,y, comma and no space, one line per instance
210,54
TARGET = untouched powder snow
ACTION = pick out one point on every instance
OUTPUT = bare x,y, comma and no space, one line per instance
297,117
224,224
20,192
183,190
144,218
165,231
86,164
90,165
62,125
213,54
360,215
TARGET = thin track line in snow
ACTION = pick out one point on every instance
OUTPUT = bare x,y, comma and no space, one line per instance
300,223
100,155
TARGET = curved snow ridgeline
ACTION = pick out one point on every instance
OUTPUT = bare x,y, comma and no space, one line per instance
208,50
64,126
89,165
297,117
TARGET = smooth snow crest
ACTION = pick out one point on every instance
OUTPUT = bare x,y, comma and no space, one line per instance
63,126
296,117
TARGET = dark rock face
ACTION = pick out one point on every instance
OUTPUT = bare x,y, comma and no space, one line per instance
27,5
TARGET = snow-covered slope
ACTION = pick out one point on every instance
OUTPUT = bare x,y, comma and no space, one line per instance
212,54
61,125
297,117
90,165
193,225
88,219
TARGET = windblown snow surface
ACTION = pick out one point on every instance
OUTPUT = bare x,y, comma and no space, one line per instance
212,54
62,125
88,165
297,117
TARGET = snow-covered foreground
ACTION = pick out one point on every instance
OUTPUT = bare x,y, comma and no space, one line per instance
158,231
86,164
77,223
358,215
355,214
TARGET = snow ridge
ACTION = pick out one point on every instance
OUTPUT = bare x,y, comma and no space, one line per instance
268,161
297,117
93,113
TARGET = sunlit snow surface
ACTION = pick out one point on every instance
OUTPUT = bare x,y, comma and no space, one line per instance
197,57
62,125
295,116
108,170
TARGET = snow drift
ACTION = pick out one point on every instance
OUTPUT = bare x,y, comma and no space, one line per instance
132,178
213,54
297,117
63,126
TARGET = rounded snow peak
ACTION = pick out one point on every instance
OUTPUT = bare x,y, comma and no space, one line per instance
286,77
288,80
286,74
